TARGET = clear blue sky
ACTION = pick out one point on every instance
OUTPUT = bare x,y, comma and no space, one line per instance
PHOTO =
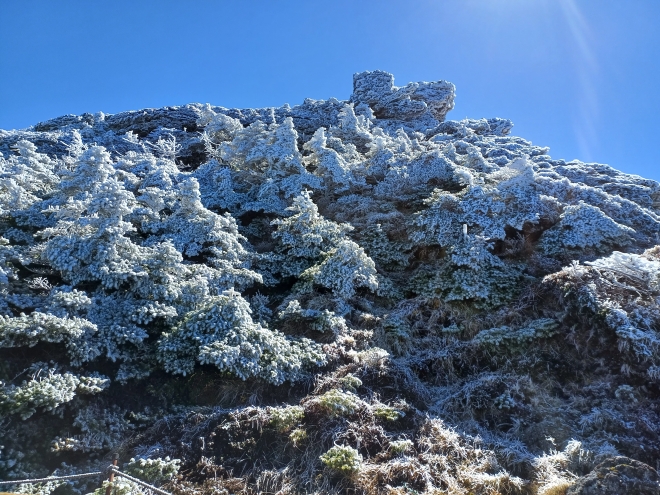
580,76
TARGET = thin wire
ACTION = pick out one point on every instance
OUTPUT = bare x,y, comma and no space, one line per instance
87,475
139,482
53,478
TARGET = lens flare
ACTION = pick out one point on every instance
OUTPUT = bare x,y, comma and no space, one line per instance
587,72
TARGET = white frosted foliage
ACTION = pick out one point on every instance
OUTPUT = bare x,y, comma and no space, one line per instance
344,269
222,333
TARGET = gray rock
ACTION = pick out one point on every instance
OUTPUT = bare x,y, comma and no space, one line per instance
144,122
409,102
415,107
618,476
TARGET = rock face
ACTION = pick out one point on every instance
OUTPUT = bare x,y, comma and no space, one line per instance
377,90
268,295
421,106
618,476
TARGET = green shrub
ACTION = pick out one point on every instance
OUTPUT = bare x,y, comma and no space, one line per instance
345,460
401,446
505,336
337,403
285,418
153,470
350,382
387,413
298,436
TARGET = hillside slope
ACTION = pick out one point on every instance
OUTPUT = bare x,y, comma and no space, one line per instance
341,295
